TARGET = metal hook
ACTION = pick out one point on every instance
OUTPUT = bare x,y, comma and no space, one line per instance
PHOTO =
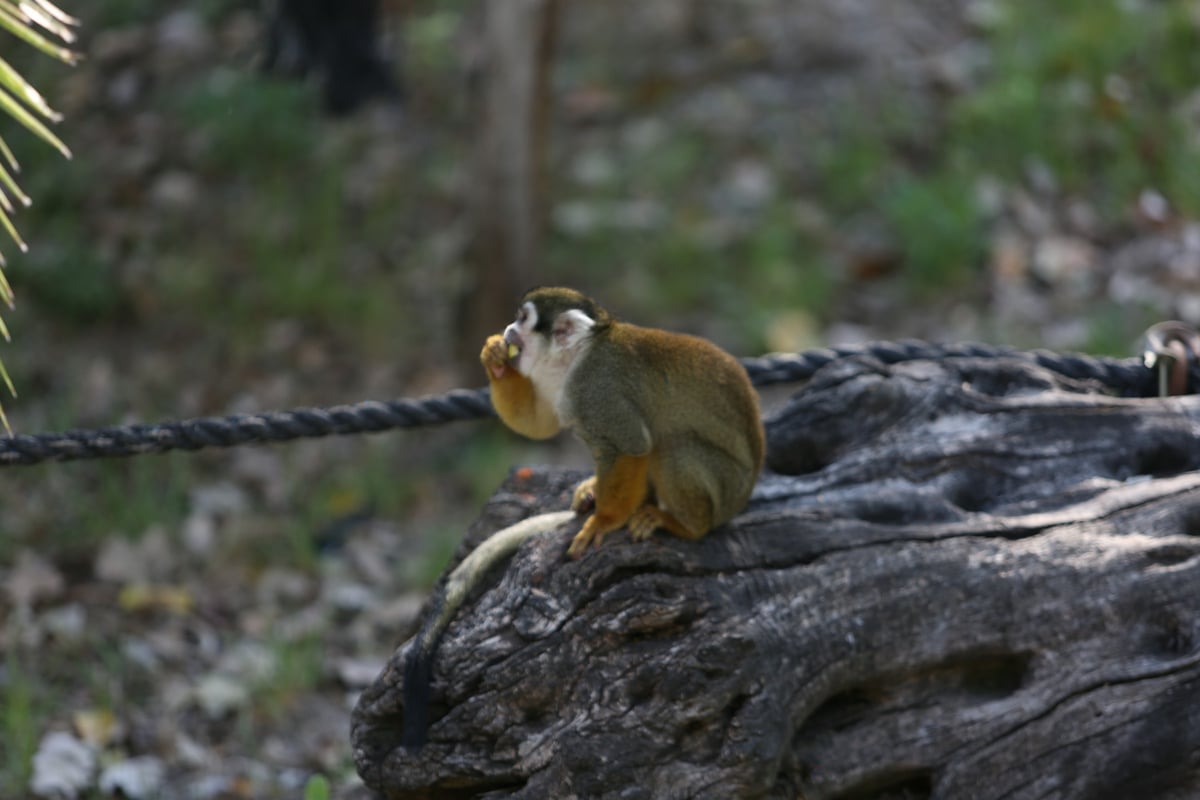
1169,347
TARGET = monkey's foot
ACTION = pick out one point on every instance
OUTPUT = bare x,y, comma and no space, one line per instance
645,522
585,497
589,534
650,518
494,355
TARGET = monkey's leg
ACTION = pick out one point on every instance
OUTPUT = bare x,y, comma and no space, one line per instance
513,394
620,489
687,483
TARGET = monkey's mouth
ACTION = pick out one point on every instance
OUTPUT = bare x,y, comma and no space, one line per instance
513,339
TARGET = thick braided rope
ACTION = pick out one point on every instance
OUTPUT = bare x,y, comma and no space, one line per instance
274,426
1125,376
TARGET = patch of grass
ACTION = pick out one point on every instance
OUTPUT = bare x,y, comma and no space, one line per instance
316,788
434,557
481,463
286,259
429,37
130,495
677,258
115,13
937,224
249,124
930,209
298,670
851,163
1088,88
63,272
67,277
78,505
785,267
286,252
19,711
1114,329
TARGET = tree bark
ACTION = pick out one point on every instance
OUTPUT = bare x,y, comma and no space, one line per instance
959,579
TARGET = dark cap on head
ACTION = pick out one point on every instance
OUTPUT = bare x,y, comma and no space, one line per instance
550,301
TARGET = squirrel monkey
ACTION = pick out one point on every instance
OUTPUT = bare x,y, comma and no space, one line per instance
671,421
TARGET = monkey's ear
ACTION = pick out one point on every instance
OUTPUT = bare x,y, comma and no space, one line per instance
571,326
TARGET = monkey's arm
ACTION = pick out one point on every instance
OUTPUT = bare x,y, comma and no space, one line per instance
513,396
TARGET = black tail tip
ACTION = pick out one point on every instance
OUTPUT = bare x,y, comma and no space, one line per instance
418,674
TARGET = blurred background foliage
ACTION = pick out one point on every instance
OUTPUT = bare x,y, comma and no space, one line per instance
773,175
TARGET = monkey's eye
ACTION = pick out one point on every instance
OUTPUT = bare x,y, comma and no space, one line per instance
522,315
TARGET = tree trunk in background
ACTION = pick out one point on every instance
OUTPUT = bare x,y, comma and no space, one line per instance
339,41
962,579
506,195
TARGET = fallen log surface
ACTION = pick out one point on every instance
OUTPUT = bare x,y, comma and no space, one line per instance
968,578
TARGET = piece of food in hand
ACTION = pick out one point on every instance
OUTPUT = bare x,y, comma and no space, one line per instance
513,351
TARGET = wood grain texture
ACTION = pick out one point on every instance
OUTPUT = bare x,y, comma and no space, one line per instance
959,579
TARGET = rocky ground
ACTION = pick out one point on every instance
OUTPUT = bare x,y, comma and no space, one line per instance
198,626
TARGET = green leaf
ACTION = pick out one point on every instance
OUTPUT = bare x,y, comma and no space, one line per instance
20,114
45,16
10,183
54,11
8,155
17,85
316,788
22,30
7,224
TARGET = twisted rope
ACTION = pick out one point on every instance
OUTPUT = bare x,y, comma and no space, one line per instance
1129,377
274,426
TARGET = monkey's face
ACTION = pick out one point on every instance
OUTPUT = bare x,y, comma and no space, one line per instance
551,325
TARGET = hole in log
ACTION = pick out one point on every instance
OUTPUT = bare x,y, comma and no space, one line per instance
1161,459
484,788
968,680
1189,520
993,677
1168,555
845,709
972,493
915,784
798,458
890,509
641,688
1168,636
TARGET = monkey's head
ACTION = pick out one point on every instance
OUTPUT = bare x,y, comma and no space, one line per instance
551,323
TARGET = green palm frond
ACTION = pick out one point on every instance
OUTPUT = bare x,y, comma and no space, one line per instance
39,23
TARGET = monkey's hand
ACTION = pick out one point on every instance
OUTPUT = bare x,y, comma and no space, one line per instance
584,499
514,396
494,356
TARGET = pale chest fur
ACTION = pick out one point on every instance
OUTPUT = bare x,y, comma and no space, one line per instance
551,376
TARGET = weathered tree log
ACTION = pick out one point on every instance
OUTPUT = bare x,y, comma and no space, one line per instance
960,579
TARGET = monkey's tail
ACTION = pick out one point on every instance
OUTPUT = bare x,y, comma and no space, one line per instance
418,675
418,666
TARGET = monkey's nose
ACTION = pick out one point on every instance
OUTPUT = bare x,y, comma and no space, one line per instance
512,337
